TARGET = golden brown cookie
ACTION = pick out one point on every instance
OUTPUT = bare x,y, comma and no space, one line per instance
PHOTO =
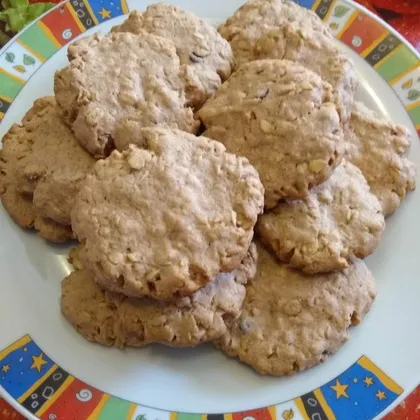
279,29
54,165
377,146
22,168
284,119
291,322
257,17
121,75
165,219
340,220
21,210
298,42
115,320
206,56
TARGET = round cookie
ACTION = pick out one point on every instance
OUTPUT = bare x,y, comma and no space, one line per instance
284,119
207,56
291,322
300,43
376,146
257,17
164,220
115,320
54,164
279,29
17,149
118,76
340,220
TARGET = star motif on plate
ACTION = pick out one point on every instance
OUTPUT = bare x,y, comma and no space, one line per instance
340,389
368,381
105,14
380,395
38,362
5,368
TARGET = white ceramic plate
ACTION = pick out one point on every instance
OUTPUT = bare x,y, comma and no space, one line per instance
48,370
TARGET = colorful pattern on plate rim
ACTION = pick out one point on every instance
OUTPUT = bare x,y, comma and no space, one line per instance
51,393
47,390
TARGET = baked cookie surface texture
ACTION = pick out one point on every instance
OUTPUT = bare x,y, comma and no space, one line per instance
116,320
165,219
291,322
121,75
205,55
377,146
340,220
284,119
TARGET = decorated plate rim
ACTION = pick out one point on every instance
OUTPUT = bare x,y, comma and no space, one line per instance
103,406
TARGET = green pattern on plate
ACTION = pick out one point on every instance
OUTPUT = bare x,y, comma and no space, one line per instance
10,57
8,86
36,39
115,408
188,416
400,60
415,115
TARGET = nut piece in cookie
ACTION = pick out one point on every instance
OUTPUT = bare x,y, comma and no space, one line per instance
338,221
377,146
165,219
115,320
284,119
291,322
206,57
121,75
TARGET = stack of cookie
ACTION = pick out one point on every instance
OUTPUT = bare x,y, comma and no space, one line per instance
331,169
165,234
42,166
156,69
165,218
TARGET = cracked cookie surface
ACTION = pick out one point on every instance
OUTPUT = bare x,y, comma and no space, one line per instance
257,17
284,119
277,29
206,56
116,320
377,146
338,221
165,219
42,166
121,75
316,52
55,165
291,322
